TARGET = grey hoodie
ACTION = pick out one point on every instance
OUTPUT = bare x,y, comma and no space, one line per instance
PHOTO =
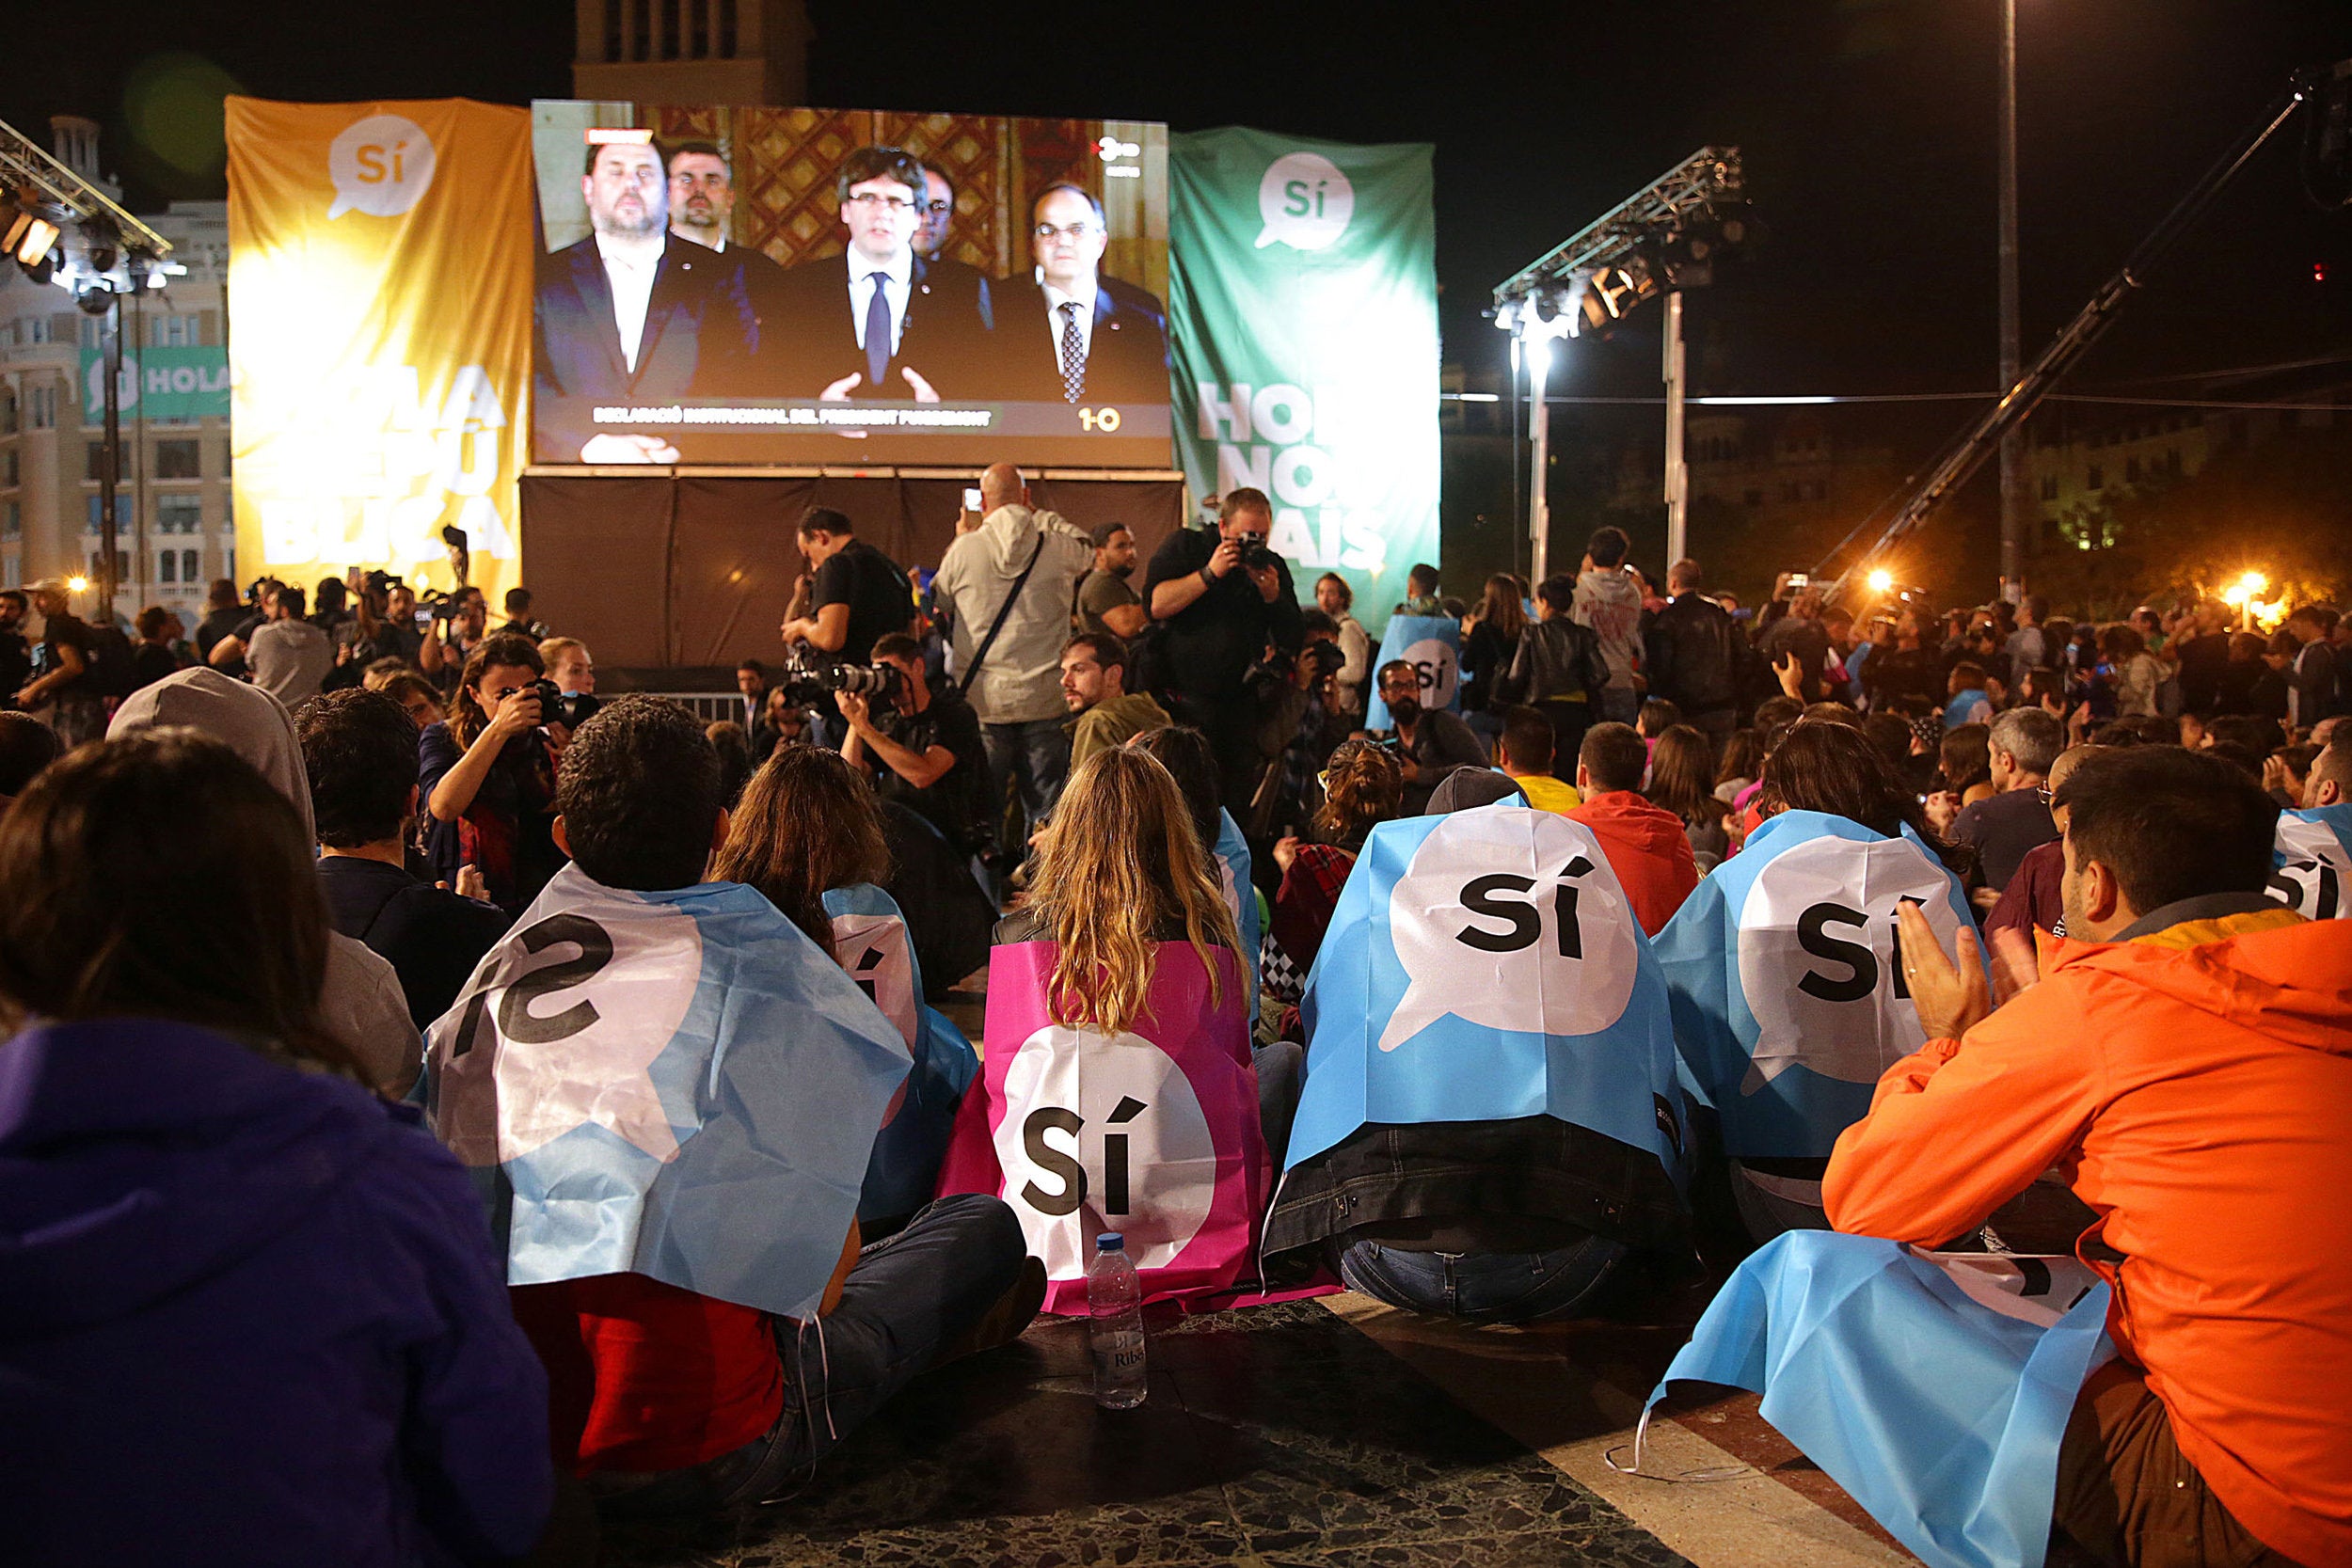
362,1003
1020,680
1610,601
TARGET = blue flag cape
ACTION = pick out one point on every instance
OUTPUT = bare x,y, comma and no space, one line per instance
2314,861
1433,645
1938,1414
1811,947
1232,853
1468,1042
905,1165
679,1085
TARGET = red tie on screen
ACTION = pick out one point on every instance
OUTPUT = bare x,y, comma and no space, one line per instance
1073,354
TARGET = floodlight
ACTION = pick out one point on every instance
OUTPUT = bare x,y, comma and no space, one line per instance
1881,580
77,584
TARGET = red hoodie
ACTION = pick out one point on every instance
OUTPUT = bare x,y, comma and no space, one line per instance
1648,849
2194,1085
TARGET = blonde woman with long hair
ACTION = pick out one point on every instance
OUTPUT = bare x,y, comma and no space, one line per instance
1121,870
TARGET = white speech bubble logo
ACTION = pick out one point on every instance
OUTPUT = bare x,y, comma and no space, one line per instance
379,166
126,386
1104,1132
1818,961
1305,202
2313,870
566,1023
1510,919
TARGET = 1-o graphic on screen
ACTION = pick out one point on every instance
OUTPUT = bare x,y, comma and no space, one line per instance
1103,420
380,165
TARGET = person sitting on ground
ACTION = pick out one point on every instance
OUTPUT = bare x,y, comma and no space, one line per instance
667,1401
1558,670
2032,899
2020,748
726,737
1105,713
359,752
1963,769
1523,753
1428,742
1741,765
1680,766
26,747
2329,781
417,696
1646,844
252,1310
362,1003
782,722
1517,1220
1362,788
1656,718
1968,701
488,776
2184,1059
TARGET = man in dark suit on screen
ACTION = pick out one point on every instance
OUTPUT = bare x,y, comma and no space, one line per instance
1076,335
702,208
878,320
630,315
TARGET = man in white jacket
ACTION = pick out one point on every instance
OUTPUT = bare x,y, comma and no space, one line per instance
1015,686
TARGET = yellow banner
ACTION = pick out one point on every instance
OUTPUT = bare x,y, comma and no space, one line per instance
379,295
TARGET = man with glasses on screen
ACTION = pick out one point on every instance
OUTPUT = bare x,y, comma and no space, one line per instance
629,315
931,240
1082,338
702,208
878,320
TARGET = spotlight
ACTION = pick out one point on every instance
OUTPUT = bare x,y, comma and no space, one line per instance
28,236
1880,580
77,584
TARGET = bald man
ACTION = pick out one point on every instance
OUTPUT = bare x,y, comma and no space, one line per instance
1016,571
2029,900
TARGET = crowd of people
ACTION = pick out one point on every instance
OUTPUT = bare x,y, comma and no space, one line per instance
242,1286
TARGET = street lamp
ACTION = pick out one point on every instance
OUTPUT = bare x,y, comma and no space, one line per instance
2015,482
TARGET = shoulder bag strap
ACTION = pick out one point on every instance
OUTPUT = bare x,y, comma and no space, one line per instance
963,686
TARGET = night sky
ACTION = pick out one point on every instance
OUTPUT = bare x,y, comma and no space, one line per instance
1867,125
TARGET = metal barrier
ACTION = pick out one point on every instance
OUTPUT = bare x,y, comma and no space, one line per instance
706,706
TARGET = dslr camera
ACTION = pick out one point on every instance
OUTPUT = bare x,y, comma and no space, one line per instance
1254,554
808,678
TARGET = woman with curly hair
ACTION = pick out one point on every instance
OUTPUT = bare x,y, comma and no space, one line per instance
1362,787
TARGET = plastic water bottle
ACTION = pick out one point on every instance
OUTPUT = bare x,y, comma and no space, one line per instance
1115,1302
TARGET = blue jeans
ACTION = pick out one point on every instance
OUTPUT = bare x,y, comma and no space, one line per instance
1484,1287
1032,758
905,1298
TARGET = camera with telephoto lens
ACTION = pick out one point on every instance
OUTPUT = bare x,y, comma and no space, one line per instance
807,680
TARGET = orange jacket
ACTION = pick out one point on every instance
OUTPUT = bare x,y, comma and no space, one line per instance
2195,1089
1647,849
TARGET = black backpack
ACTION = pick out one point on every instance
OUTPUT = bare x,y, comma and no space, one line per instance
107,656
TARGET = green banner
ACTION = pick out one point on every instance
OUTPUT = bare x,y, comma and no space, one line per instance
188,382
1303,306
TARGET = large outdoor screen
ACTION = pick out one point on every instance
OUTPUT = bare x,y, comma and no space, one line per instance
749,286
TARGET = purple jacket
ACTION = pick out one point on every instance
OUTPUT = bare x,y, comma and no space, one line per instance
248,1315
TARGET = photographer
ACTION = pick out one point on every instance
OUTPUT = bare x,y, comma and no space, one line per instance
488,775
460,622
1219,601
855,595
923,745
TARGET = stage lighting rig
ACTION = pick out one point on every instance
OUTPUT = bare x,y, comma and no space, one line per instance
43,202
1664,238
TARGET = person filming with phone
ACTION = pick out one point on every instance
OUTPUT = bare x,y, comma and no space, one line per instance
1219,600
487,774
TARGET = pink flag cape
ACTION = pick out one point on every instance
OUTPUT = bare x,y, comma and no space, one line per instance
1152,1132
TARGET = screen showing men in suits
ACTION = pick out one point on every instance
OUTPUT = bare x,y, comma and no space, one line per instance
790,286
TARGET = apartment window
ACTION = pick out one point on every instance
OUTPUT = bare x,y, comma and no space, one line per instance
189,565
7,413
93,330
8,473
2096,479
179,515
45,410
94,462
41,329
2049,487
167,567
13,527
179,331
179,460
